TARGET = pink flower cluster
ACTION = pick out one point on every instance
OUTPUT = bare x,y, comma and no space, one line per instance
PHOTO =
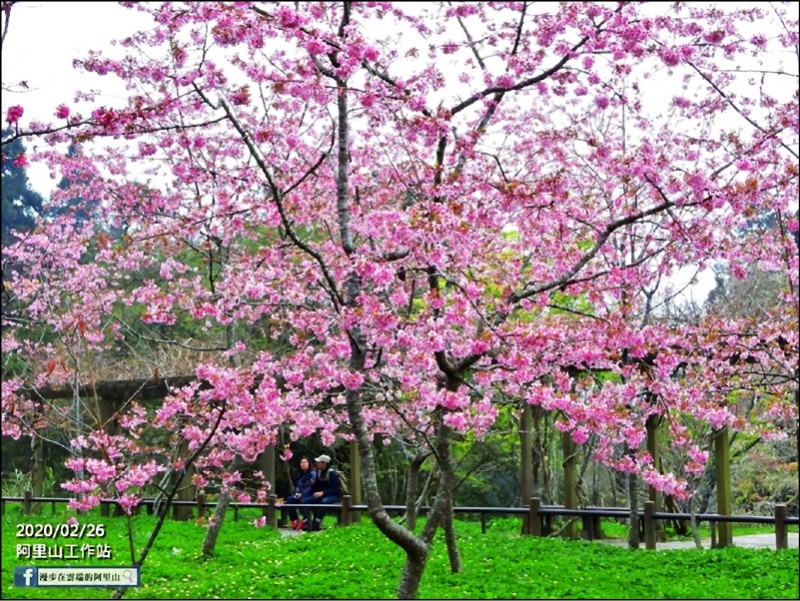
14,114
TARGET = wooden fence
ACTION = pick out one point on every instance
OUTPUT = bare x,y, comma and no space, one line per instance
534,516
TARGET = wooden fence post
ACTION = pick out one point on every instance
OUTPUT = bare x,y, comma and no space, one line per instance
346,517
723,466
534,519
781,532
649,526
26,503
272,515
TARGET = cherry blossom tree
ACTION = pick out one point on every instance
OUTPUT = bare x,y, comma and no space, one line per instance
427,209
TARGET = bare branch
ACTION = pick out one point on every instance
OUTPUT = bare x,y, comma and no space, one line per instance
736,107
472,44
567,278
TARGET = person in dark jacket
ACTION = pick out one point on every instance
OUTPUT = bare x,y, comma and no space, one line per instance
303,489
327,489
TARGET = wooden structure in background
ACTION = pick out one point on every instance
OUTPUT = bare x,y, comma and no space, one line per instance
113,397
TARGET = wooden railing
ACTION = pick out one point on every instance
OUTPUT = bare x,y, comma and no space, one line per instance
533,515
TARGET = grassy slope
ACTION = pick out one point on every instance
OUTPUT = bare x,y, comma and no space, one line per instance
358,563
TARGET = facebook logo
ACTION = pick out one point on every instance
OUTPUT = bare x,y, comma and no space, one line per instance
25,577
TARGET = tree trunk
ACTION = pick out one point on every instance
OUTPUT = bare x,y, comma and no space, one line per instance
680,526
37,471
446,486
441,511
172,490
431,482
526,475
537,454
613,481
355,481
526,454
570,481
633,500
186,491
654,448
708,484
266,461
416,550
412,490
695,535
450,539
412,576
215,523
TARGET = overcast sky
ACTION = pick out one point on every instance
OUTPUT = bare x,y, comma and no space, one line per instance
44,38
42,41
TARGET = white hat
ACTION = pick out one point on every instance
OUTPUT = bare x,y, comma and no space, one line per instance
323,459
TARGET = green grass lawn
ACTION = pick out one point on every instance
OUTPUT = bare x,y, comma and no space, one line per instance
357,562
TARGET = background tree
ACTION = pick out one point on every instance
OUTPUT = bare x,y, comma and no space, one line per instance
21,204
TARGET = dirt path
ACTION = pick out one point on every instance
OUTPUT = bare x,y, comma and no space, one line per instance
750,541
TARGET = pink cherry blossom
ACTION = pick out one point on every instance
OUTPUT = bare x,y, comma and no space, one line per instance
353,236
260,522
14,114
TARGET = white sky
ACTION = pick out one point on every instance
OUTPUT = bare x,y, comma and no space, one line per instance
43,39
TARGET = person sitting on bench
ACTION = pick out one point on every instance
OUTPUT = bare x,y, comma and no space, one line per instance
302,493
327,489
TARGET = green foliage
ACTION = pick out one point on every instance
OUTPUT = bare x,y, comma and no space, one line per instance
613,529
764,478
16,483
358,562
565,304
488,470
